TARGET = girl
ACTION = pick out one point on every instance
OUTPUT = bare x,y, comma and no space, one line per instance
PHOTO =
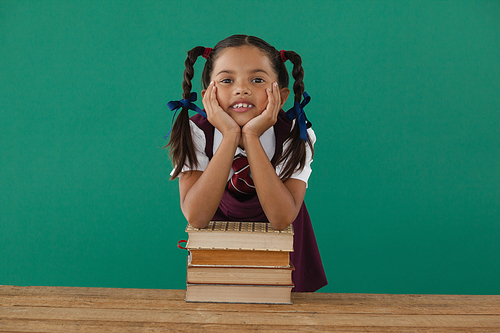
243,158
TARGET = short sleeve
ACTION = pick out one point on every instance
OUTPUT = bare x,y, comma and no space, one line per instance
306,171
199,141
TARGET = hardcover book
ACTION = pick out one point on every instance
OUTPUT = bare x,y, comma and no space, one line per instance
239,262
239,275
200,257
239,294
240,236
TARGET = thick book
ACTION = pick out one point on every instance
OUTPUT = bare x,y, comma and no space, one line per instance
239,275
239,294
200,257
240,236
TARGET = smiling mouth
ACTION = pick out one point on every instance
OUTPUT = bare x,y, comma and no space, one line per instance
241,107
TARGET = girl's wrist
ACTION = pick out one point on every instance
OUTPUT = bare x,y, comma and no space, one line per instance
232,138
250,138
253,131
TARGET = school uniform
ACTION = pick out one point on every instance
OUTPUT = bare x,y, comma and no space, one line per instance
309,274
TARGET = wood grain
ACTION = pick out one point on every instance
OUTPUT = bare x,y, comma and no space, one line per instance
69,309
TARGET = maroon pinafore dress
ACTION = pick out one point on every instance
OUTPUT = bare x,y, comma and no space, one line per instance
309,274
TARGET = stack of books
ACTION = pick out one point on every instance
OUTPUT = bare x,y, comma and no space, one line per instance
239,262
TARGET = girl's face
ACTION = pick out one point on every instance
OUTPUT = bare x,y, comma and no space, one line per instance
242,75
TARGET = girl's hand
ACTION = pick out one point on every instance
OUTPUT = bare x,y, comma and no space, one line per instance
216,115
258,125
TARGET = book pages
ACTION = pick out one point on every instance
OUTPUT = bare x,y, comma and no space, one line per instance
259,227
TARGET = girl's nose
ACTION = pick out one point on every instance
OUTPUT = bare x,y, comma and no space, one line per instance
242,89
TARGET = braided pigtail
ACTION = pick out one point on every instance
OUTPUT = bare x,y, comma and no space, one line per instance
295,153
181,145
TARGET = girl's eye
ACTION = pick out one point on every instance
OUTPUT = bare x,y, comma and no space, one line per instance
226,81
258,80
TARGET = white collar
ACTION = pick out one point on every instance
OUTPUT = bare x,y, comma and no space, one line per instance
267,139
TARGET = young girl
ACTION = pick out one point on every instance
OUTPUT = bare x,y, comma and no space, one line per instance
243,158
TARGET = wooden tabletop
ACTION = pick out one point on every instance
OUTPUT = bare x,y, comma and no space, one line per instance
68,309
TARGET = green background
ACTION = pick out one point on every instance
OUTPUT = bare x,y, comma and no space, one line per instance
405,191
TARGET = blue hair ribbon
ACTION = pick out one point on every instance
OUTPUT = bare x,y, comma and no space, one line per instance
298,112
184,103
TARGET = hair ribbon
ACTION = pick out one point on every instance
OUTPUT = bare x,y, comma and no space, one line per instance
283,56
297,111
184,103
206,52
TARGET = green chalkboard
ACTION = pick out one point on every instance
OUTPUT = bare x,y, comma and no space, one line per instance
405,190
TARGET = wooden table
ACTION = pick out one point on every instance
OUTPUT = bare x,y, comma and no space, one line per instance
68,309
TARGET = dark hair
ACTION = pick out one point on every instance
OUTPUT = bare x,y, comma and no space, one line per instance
181,144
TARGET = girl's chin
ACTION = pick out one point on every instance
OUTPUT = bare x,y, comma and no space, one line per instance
242,122
243,118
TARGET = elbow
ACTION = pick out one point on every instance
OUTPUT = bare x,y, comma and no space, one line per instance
281,224
194,218
196,222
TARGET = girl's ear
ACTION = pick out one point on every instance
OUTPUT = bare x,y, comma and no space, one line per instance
284,92
203,93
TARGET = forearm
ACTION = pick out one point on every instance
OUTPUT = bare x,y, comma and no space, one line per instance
280,204
202,193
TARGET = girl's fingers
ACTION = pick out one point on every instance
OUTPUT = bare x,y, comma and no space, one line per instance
270,99
210,100
277,94
215,114
214,94
207,96
215,102
273,99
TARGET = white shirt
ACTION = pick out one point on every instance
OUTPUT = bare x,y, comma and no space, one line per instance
268,141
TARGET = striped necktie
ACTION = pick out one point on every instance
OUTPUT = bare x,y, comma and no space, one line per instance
241,184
